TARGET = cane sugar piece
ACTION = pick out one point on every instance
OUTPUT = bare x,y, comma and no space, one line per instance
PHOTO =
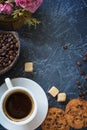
53,91
28,67
61,97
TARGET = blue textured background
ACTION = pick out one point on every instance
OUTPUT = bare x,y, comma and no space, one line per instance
63,22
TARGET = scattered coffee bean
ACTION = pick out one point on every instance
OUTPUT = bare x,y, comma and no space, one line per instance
82,72
80,94
85,58
86,54
80,87
83,97
78,63
65,47
78,83
85,77
84,93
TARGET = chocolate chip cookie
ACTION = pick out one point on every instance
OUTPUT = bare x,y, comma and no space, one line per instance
76,113
55,120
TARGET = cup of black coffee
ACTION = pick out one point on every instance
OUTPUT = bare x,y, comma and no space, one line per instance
18,104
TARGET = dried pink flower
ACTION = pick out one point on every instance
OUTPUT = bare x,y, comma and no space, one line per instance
8,8
1,8
29,5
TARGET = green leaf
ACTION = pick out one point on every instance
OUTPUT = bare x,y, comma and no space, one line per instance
10,1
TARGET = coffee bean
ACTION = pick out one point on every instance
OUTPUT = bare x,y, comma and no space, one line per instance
8,49
65,47
7,45
4,64
86,54
9,39
85,77
17,45
10,52
80,87
85,58
84,93
4,48
1,41
9,62
78,63
14,41
12,46
78,82
6,60
11,57
1,51
3,54
0,65
82,72
17,52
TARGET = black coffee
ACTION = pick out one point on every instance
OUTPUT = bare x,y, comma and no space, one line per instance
18,105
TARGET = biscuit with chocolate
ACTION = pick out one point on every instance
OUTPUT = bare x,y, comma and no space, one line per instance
55,120
76,113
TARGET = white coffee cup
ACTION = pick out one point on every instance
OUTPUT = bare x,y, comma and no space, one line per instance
18,104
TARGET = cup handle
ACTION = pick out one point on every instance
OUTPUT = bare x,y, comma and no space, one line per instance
8,83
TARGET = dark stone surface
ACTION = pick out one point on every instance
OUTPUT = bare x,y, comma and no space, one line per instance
64,22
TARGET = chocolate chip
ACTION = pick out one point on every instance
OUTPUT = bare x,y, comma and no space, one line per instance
79,106
78,63
83,97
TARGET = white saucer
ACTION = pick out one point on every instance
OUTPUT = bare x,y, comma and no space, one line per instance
41,99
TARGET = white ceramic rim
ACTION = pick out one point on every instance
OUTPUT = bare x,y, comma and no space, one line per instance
26,120
42,103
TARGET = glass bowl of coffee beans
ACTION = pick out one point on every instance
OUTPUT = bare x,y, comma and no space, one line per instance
9,50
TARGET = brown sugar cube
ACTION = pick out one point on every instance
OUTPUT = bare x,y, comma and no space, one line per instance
53,91
61,97
28,67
